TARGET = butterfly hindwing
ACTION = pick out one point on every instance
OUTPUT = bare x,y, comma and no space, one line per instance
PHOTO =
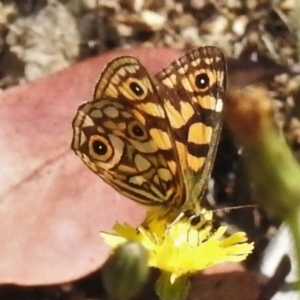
123,136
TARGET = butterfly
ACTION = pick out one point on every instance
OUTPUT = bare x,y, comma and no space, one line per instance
154,138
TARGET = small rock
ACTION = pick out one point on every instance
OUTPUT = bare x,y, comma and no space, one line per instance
190,33
154,20
239,25
217,25
124,30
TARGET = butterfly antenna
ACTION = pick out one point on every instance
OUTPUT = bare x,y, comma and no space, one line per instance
228,209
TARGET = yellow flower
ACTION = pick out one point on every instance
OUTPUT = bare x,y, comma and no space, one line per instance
179,248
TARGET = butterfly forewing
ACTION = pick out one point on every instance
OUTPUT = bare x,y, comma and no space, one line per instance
123,136
192,89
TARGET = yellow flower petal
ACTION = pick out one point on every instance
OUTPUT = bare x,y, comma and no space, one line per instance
178,247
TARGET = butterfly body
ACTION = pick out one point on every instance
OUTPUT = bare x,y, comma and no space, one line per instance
154,138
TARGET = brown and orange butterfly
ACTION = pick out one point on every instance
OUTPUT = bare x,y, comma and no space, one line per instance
154,139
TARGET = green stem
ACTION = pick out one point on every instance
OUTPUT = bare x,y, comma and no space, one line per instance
274,172
294,223
172,291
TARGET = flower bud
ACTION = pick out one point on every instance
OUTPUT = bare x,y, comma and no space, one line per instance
126,271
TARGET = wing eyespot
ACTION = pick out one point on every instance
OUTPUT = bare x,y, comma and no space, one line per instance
136,89
137,131
202,81
100,148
